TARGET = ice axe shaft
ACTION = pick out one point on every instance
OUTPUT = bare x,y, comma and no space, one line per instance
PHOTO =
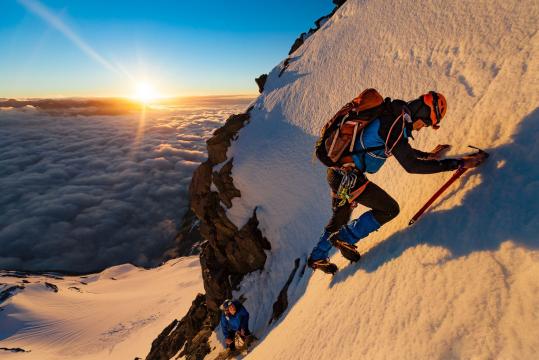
444,187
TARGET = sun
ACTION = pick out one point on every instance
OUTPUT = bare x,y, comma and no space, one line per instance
145,93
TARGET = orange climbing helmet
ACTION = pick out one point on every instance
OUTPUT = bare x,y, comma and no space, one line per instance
438,107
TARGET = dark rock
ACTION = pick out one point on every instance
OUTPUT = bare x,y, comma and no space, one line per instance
52,287
246,254
297,44
215,278
281,304
227,253
318,23
15,274
54,276
285,66
9,292
261,81
188,239
200,188
14,350
192,331
321,21
225,184
219,143
74,288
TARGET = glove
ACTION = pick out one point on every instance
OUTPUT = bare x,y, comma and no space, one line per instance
471,161
438,152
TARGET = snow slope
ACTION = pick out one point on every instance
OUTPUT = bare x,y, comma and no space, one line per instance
114,314
462,282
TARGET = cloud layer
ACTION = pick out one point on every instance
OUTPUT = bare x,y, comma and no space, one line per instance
81,193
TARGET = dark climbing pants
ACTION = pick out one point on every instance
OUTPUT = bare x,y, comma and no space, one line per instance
383,209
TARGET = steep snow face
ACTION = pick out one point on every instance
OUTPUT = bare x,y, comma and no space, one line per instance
458,284
114,314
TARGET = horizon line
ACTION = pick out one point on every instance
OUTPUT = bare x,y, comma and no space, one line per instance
171,97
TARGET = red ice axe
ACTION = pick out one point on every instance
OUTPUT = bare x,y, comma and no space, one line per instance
444,187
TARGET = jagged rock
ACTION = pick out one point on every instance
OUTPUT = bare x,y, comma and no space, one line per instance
285,66
321,21
246,254
193,331
318,23
215,279
14,350
9,292
225,184
200,188
51,287
261,81
188,239
227,254
219,143
281,304
297,44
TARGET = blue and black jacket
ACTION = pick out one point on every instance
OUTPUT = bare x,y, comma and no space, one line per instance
374,136
230,324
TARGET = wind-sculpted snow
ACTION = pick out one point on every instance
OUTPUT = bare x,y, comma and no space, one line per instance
114,314
81,193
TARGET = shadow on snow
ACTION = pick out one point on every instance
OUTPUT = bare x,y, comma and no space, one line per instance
503,207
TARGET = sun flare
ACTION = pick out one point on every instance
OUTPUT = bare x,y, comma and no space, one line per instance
145,93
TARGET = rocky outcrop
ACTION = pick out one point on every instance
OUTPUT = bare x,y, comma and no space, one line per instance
219,143
9,292
261,81
190,334
227,252
281,304
318,24
51,287
225,184
188,240
14,350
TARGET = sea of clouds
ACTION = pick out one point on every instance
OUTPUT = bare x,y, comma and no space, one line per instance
81,193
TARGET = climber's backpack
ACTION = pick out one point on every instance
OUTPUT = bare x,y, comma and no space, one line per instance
336,143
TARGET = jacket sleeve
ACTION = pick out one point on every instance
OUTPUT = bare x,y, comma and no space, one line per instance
224,325
421,154
408,158
244,318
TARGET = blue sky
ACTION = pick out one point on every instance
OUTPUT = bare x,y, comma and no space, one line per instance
104,48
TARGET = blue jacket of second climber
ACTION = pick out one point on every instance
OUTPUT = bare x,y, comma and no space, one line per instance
232,323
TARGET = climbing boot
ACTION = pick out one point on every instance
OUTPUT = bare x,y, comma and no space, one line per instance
323,265
349,251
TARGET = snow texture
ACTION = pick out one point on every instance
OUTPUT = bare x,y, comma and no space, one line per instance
114,314
103,189
462,282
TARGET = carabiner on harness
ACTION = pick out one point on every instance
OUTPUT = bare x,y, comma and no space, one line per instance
348,181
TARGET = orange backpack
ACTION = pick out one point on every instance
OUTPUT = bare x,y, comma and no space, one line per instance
337,138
